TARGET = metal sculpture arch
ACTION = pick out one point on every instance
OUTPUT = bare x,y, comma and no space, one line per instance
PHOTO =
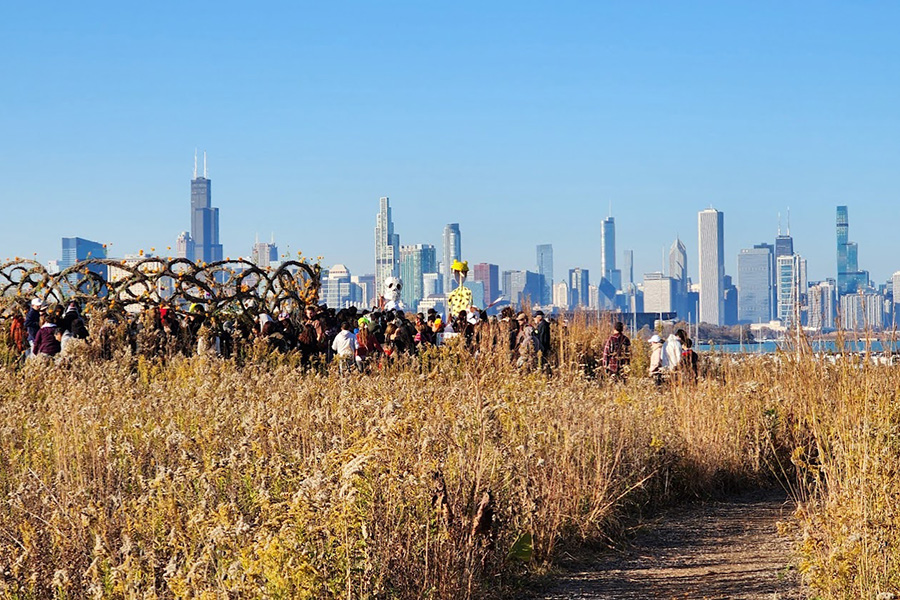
134,285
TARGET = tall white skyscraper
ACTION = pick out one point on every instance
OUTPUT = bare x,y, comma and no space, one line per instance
789,272
387,245
711,229
452,251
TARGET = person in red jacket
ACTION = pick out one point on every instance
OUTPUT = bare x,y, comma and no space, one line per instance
617,352
18,336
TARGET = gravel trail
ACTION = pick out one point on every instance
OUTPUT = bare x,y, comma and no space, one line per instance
714,550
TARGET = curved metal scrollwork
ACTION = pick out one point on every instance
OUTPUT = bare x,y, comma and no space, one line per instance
138,284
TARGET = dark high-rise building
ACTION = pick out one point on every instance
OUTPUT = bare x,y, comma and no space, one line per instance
545,270
75,250
849,277
204,218
489,275
784,245
608,252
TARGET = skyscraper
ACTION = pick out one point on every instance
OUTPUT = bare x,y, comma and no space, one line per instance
711,228
754,282
415,261
849,277
76,249
678,272
579,281
545,270
204,218
264,254
184,246
608,252
784,245
862,311
452,247
387,246
561,295
821,306
628,269
522,287
336,288
788,283
489,275
678,262
659,293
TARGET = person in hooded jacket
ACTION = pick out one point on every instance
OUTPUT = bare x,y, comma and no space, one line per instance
47,340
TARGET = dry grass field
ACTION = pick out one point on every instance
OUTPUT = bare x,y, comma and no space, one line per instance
449,477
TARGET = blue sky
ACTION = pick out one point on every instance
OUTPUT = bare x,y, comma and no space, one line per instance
521,121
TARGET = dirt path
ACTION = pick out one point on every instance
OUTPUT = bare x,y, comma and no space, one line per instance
714,550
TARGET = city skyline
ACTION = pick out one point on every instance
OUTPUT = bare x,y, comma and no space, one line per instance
765,292
459,112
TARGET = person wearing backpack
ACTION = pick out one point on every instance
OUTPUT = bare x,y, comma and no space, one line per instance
617,352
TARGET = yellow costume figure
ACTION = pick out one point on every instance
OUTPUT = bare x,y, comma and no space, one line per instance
460,298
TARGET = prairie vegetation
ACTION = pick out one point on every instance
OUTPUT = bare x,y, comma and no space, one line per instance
444,477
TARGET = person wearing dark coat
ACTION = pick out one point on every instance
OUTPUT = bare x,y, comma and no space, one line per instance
33,319
47,339
542,333
72,323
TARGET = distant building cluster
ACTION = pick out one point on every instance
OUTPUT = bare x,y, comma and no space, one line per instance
770,287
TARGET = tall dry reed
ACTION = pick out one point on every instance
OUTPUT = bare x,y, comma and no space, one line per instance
447,477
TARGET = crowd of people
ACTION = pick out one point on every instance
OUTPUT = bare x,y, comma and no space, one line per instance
355,338
672,358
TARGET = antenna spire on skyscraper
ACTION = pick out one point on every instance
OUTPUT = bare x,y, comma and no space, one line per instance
205,172
779,223
195,163
789,221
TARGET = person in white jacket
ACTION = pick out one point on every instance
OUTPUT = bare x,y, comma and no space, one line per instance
344,347
671,353
672,350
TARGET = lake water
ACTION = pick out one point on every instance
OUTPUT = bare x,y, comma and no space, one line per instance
817,346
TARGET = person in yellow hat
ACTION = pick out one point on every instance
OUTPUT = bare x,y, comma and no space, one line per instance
460,299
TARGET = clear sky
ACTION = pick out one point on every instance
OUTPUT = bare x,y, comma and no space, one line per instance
523,121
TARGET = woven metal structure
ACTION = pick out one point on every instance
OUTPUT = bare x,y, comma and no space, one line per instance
228,285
